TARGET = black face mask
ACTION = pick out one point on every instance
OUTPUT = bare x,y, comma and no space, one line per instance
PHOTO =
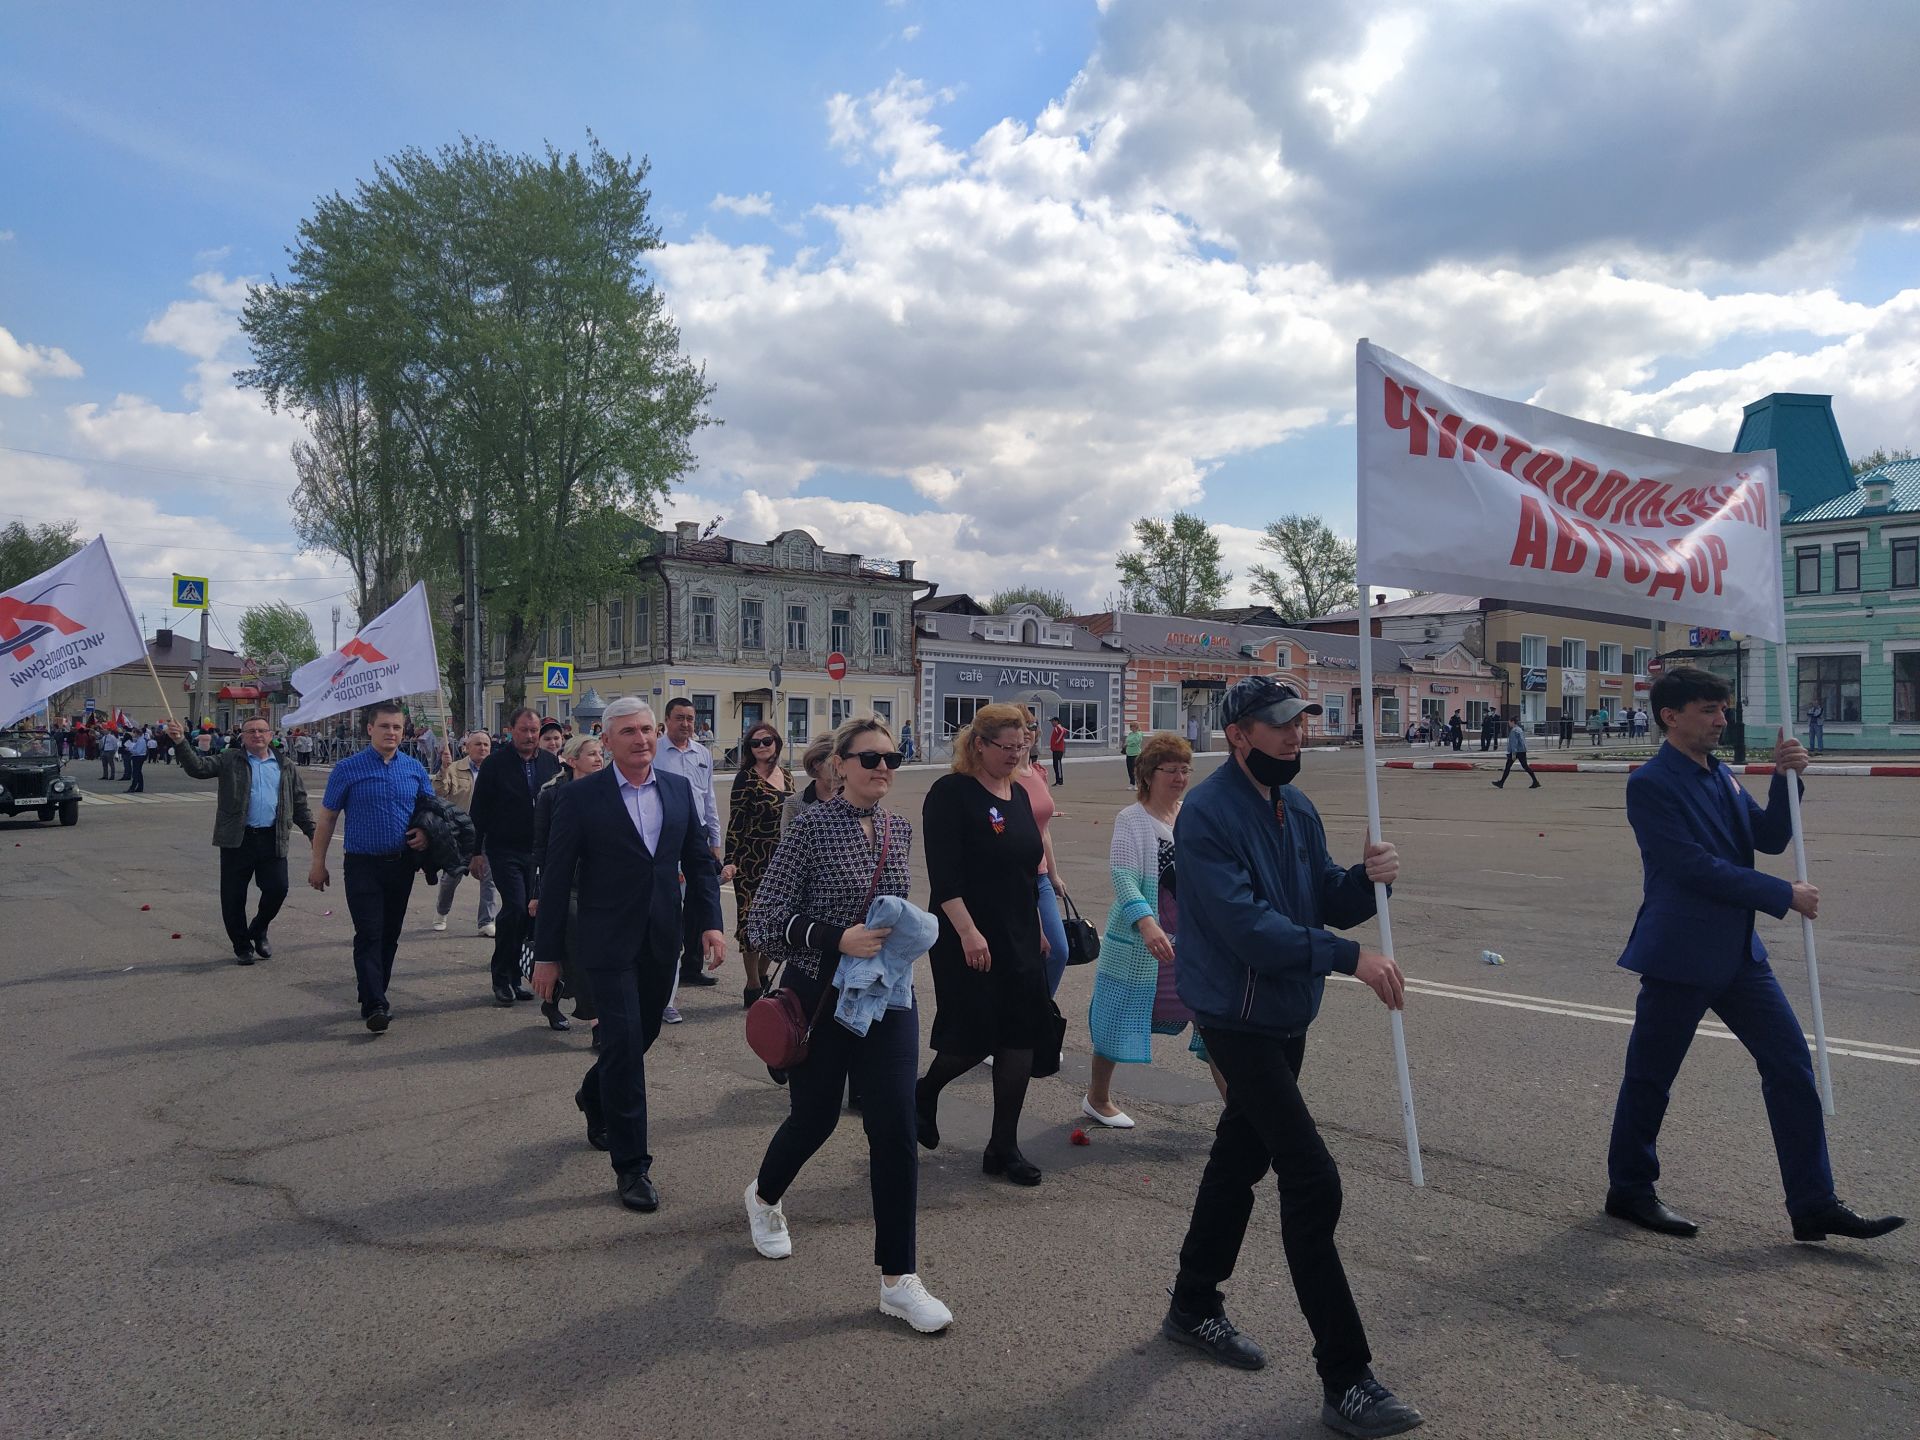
1271,770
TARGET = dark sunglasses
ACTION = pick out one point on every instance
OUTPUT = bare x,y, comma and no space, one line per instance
765,742
874,759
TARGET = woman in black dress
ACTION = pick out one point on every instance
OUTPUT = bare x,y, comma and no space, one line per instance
989,978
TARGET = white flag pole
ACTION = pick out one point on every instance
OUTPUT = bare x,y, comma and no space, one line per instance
1368,724
1788,709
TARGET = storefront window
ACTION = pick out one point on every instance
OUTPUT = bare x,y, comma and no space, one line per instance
1336,716
1082,719
1164,712
1390,715
1832,681
796,720
1533,709
1476,715
959,711
703,711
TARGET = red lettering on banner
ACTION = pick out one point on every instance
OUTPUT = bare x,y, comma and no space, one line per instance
1515,449
1602,554
1477,439
1403,413
1530,545
1717,556
1449,427
1650,508
1542,468
1569,550
1579,478
1603,494
1679,510
1623,512
1633,565
1672,573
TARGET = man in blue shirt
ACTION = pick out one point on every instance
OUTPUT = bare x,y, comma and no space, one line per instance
1259,897
261,799
377,789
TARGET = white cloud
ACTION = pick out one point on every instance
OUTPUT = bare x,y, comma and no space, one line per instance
760,204
910,34
20,364
5,236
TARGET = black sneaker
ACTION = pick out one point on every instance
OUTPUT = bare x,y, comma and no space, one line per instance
1369,1409
243,954
1216,1336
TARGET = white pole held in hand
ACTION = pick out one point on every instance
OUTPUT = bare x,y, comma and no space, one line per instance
1368,724
1787,709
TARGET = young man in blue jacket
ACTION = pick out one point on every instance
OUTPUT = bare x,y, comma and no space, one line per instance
1694,945
1257,891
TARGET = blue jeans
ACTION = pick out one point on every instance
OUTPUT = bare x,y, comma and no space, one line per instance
1056,933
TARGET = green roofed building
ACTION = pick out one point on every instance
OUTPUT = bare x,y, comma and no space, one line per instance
1851,563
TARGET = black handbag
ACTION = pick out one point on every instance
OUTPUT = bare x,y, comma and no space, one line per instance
1083,941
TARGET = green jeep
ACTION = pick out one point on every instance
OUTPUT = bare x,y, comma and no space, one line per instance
31,779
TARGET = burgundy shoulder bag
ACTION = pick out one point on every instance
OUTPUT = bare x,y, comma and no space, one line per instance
778,1026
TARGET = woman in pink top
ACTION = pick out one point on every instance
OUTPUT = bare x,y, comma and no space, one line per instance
1040,794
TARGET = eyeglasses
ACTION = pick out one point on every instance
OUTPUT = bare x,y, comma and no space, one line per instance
765,742
874,759
1007,747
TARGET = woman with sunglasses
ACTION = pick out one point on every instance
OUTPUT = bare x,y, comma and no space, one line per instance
984,855
811,909
1051,890
753,830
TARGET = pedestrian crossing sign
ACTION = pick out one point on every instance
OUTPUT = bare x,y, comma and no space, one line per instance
189,592
559,678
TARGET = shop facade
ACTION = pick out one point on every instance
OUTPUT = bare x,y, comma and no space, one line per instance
1026,658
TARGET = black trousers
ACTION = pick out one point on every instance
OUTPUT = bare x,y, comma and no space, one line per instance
251,862
883,1065
512,872
1059,773
630,999
136,764
1265,1125
377,889
1133,762
692,959
1520,759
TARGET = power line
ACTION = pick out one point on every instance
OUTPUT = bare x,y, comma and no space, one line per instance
137,465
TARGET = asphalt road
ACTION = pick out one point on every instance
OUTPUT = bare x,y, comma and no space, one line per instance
229,1211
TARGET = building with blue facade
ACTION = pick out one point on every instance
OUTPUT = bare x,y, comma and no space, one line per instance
1851,564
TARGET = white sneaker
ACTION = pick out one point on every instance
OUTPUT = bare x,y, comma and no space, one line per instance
671,1016
909,1301
1119,1120
769,1225
440,922
486,929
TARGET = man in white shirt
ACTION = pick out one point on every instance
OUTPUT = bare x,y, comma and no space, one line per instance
680,754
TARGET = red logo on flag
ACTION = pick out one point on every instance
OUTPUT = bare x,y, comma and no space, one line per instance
23,622
355,649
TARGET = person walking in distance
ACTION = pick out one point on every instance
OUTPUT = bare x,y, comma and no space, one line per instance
677,752
811,908
1057,743
1258,892
1516,755
109,753
502,810
1131,749
137,750
1455,731
1817,728
1694,946
620,839
455,783
1566,729
376,790
261,798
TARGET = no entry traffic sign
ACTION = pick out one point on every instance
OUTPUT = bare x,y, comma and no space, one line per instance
836,666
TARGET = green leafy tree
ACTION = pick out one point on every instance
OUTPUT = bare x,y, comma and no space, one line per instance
1176,569
506,366
1051,601
26,550
278,628
1315,569
1874,459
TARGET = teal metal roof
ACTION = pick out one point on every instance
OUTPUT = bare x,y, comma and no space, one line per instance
1800,429
1902,478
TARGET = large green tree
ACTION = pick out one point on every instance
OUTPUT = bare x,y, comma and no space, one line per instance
26,550
1315,569
483,332
1051,601
1176,569
278,628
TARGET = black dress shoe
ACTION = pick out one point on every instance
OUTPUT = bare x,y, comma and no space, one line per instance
1012,1164
698,979
243,955
377,1021
503,995
637,1192
1213,1335
1648,1213
262,948
596,1123
750,994
926,1124
554,1018
520,992
1837,1219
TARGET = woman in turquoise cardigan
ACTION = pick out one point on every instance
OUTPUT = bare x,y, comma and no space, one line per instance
1140,929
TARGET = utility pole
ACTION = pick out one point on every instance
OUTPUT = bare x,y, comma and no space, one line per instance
200,690
470,632
336,627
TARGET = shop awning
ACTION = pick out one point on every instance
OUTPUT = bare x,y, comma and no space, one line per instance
238,692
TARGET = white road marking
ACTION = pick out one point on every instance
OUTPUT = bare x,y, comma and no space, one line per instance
1613,1015
1523,874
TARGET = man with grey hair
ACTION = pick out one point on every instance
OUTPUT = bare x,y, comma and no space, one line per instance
454,782
620,839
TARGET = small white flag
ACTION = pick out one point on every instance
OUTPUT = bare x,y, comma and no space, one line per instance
62,628
392,656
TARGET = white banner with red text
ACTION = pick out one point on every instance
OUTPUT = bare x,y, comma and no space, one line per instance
64,627
1469,494
392,656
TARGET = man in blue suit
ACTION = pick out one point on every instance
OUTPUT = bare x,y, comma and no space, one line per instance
620,840
1694,945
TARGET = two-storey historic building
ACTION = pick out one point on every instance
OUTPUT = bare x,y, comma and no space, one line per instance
743,630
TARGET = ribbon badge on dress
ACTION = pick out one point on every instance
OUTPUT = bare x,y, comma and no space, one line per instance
999,820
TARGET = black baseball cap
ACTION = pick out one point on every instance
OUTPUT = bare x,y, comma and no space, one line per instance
1264,699
546,725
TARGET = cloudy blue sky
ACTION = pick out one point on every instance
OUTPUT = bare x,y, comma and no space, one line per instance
979,282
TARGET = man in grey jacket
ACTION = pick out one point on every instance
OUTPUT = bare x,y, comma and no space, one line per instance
261,799
1516,755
